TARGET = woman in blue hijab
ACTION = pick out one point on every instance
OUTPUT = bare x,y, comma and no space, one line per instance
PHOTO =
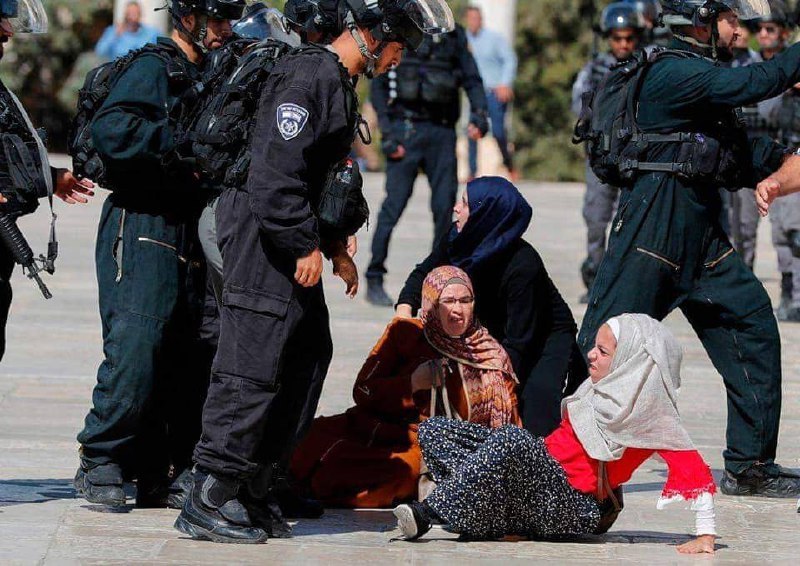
515,297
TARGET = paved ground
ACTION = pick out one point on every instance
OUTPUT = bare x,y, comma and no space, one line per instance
54,349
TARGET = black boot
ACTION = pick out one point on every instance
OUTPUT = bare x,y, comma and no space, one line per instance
266,514
762,481
212,512
151,492
292,504
785,305
100,484
413,519
376,295
179,489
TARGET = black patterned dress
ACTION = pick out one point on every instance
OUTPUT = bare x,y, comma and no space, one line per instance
492,483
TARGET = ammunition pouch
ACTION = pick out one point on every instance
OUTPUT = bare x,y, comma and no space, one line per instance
23,167
342,209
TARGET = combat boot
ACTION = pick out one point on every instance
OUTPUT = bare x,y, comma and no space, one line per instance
376,295
179,489
266,514
786,297
213,512
762,481
101,484
292,504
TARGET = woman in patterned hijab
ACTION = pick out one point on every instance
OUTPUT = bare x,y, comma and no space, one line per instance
452,330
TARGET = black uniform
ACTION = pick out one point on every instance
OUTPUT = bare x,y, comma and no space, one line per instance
22,182
275,344
150,279
418,105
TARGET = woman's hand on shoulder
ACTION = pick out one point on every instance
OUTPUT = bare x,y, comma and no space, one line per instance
704,544
404,311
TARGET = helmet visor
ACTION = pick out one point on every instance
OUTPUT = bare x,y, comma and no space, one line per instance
748,9
262,23
31,17
430,16
225,9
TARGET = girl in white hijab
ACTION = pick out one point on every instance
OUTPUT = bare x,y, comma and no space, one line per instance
502,482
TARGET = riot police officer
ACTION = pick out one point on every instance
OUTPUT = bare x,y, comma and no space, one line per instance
150,387
418,105
275,343
667,248
621,24
772,32
23,181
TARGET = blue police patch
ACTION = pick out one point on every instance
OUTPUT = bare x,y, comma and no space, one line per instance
291,120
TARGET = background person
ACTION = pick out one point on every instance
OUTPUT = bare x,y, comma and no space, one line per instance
497,64
127,35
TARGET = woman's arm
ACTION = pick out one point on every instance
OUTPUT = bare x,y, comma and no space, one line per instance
690,479
378,387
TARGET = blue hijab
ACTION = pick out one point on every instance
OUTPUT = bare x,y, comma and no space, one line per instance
498,217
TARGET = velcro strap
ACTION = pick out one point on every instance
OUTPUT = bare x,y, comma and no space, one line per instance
663,138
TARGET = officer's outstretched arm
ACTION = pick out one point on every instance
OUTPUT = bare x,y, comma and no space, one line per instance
782,182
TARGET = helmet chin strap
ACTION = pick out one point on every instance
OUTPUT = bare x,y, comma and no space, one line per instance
199,38
370,58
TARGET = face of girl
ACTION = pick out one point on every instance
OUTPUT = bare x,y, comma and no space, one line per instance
601,356
456,308
461,211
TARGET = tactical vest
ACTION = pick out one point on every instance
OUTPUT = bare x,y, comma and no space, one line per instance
619,150
430,75
24,167
86,161
600,66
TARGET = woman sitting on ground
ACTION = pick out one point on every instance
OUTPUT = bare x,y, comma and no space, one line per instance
507,482
443,363
518,303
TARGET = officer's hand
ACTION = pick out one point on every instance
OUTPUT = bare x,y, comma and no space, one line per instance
352,245
70,189
504,94
344,267
473,132
2,199
309,269
399,153
766,192
404,311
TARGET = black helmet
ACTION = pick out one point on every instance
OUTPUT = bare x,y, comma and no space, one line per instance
260,22
703,12
316,16
778,14
650,9
25,16
621,15
404,21
217,9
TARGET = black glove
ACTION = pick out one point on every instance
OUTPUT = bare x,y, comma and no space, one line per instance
480,120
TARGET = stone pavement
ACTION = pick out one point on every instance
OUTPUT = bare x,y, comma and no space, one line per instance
54,348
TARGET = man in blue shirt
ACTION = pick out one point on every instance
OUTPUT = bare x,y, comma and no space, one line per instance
497,64
126,36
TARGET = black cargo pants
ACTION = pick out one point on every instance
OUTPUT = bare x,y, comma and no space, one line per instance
667,250
274,351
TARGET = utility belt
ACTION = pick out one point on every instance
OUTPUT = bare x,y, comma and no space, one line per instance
698,157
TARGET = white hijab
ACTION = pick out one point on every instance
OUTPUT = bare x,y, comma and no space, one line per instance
635,405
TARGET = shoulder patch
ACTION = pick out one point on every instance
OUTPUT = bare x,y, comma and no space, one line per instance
292,118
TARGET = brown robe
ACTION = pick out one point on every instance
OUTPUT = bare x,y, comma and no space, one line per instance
368,457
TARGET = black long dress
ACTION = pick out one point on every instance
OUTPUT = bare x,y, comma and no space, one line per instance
516,300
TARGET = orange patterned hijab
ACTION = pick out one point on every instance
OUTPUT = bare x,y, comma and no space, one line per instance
484,365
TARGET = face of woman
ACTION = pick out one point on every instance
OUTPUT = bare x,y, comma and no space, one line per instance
601,356
461,211
456,308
